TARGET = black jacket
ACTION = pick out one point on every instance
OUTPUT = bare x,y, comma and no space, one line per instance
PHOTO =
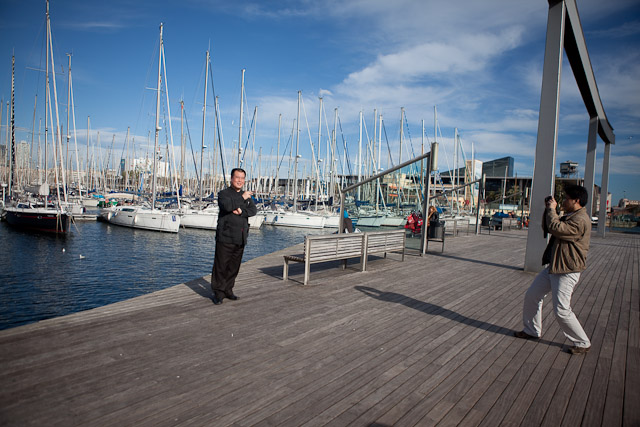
234,228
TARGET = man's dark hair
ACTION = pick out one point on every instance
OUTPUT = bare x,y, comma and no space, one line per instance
234,170
577,192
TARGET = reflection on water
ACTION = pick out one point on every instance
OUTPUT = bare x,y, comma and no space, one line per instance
44,276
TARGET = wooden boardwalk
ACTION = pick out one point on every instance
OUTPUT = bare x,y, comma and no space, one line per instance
422,342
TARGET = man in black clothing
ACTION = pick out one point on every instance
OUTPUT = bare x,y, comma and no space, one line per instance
236,206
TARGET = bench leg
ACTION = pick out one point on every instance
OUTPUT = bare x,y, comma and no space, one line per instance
285,270
307,267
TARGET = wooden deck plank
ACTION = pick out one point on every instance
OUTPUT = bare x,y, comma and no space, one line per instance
631,412
614,399
597,274
423,342
555,387
596,364
379,399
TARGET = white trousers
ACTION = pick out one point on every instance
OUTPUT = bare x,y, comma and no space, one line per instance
561,287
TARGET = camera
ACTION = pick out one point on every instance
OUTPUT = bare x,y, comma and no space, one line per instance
548,199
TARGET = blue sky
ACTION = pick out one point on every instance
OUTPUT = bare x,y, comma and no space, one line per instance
479,62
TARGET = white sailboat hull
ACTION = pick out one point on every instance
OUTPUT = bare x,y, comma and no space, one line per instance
393,221
332,221
370,221
139,217
90,203
193,218
298,219
256,221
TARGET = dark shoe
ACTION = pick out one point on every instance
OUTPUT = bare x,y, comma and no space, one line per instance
524,335
579,350
232,297
216,300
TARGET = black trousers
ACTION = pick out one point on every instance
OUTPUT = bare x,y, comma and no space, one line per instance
226,265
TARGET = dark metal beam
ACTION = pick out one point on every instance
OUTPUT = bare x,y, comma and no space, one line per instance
575,47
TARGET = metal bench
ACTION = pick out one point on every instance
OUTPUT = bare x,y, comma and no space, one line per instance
383,242
509,223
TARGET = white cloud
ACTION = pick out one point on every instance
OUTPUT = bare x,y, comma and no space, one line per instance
466,54
623,165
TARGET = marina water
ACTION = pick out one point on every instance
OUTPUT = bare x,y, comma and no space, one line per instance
44,276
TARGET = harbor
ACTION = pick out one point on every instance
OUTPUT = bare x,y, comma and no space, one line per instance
404,343
396,220
46,276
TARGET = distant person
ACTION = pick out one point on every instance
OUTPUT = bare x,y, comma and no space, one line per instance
347,223
433,215
236,206
565,257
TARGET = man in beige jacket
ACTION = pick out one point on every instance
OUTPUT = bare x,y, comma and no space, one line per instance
565,257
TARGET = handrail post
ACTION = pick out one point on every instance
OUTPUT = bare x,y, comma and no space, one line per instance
341,222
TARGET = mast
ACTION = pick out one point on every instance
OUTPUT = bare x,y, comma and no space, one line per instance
33,131
204,115
155,145
88,180
454,181
75,137
182,145
68,110
253,148
57,145
241,111
360,153
126,171
278,154
319,144
333,167
401,135
422,161
295,163
379,160
12,164
46,105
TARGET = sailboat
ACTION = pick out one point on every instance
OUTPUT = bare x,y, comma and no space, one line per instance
294,218
141,216
30,214
204,218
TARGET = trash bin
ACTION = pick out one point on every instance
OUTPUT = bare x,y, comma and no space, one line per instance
436,230
486,221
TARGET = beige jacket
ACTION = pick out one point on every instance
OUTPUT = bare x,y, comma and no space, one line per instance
569,243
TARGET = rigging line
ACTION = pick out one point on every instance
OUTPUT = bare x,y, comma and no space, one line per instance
406,122
386,138
346,148
313,154
172,168
284,151
246,145
193,156
218,125
328,133
144,88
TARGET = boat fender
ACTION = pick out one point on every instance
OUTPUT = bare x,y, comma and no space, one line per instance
135,219
109,216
